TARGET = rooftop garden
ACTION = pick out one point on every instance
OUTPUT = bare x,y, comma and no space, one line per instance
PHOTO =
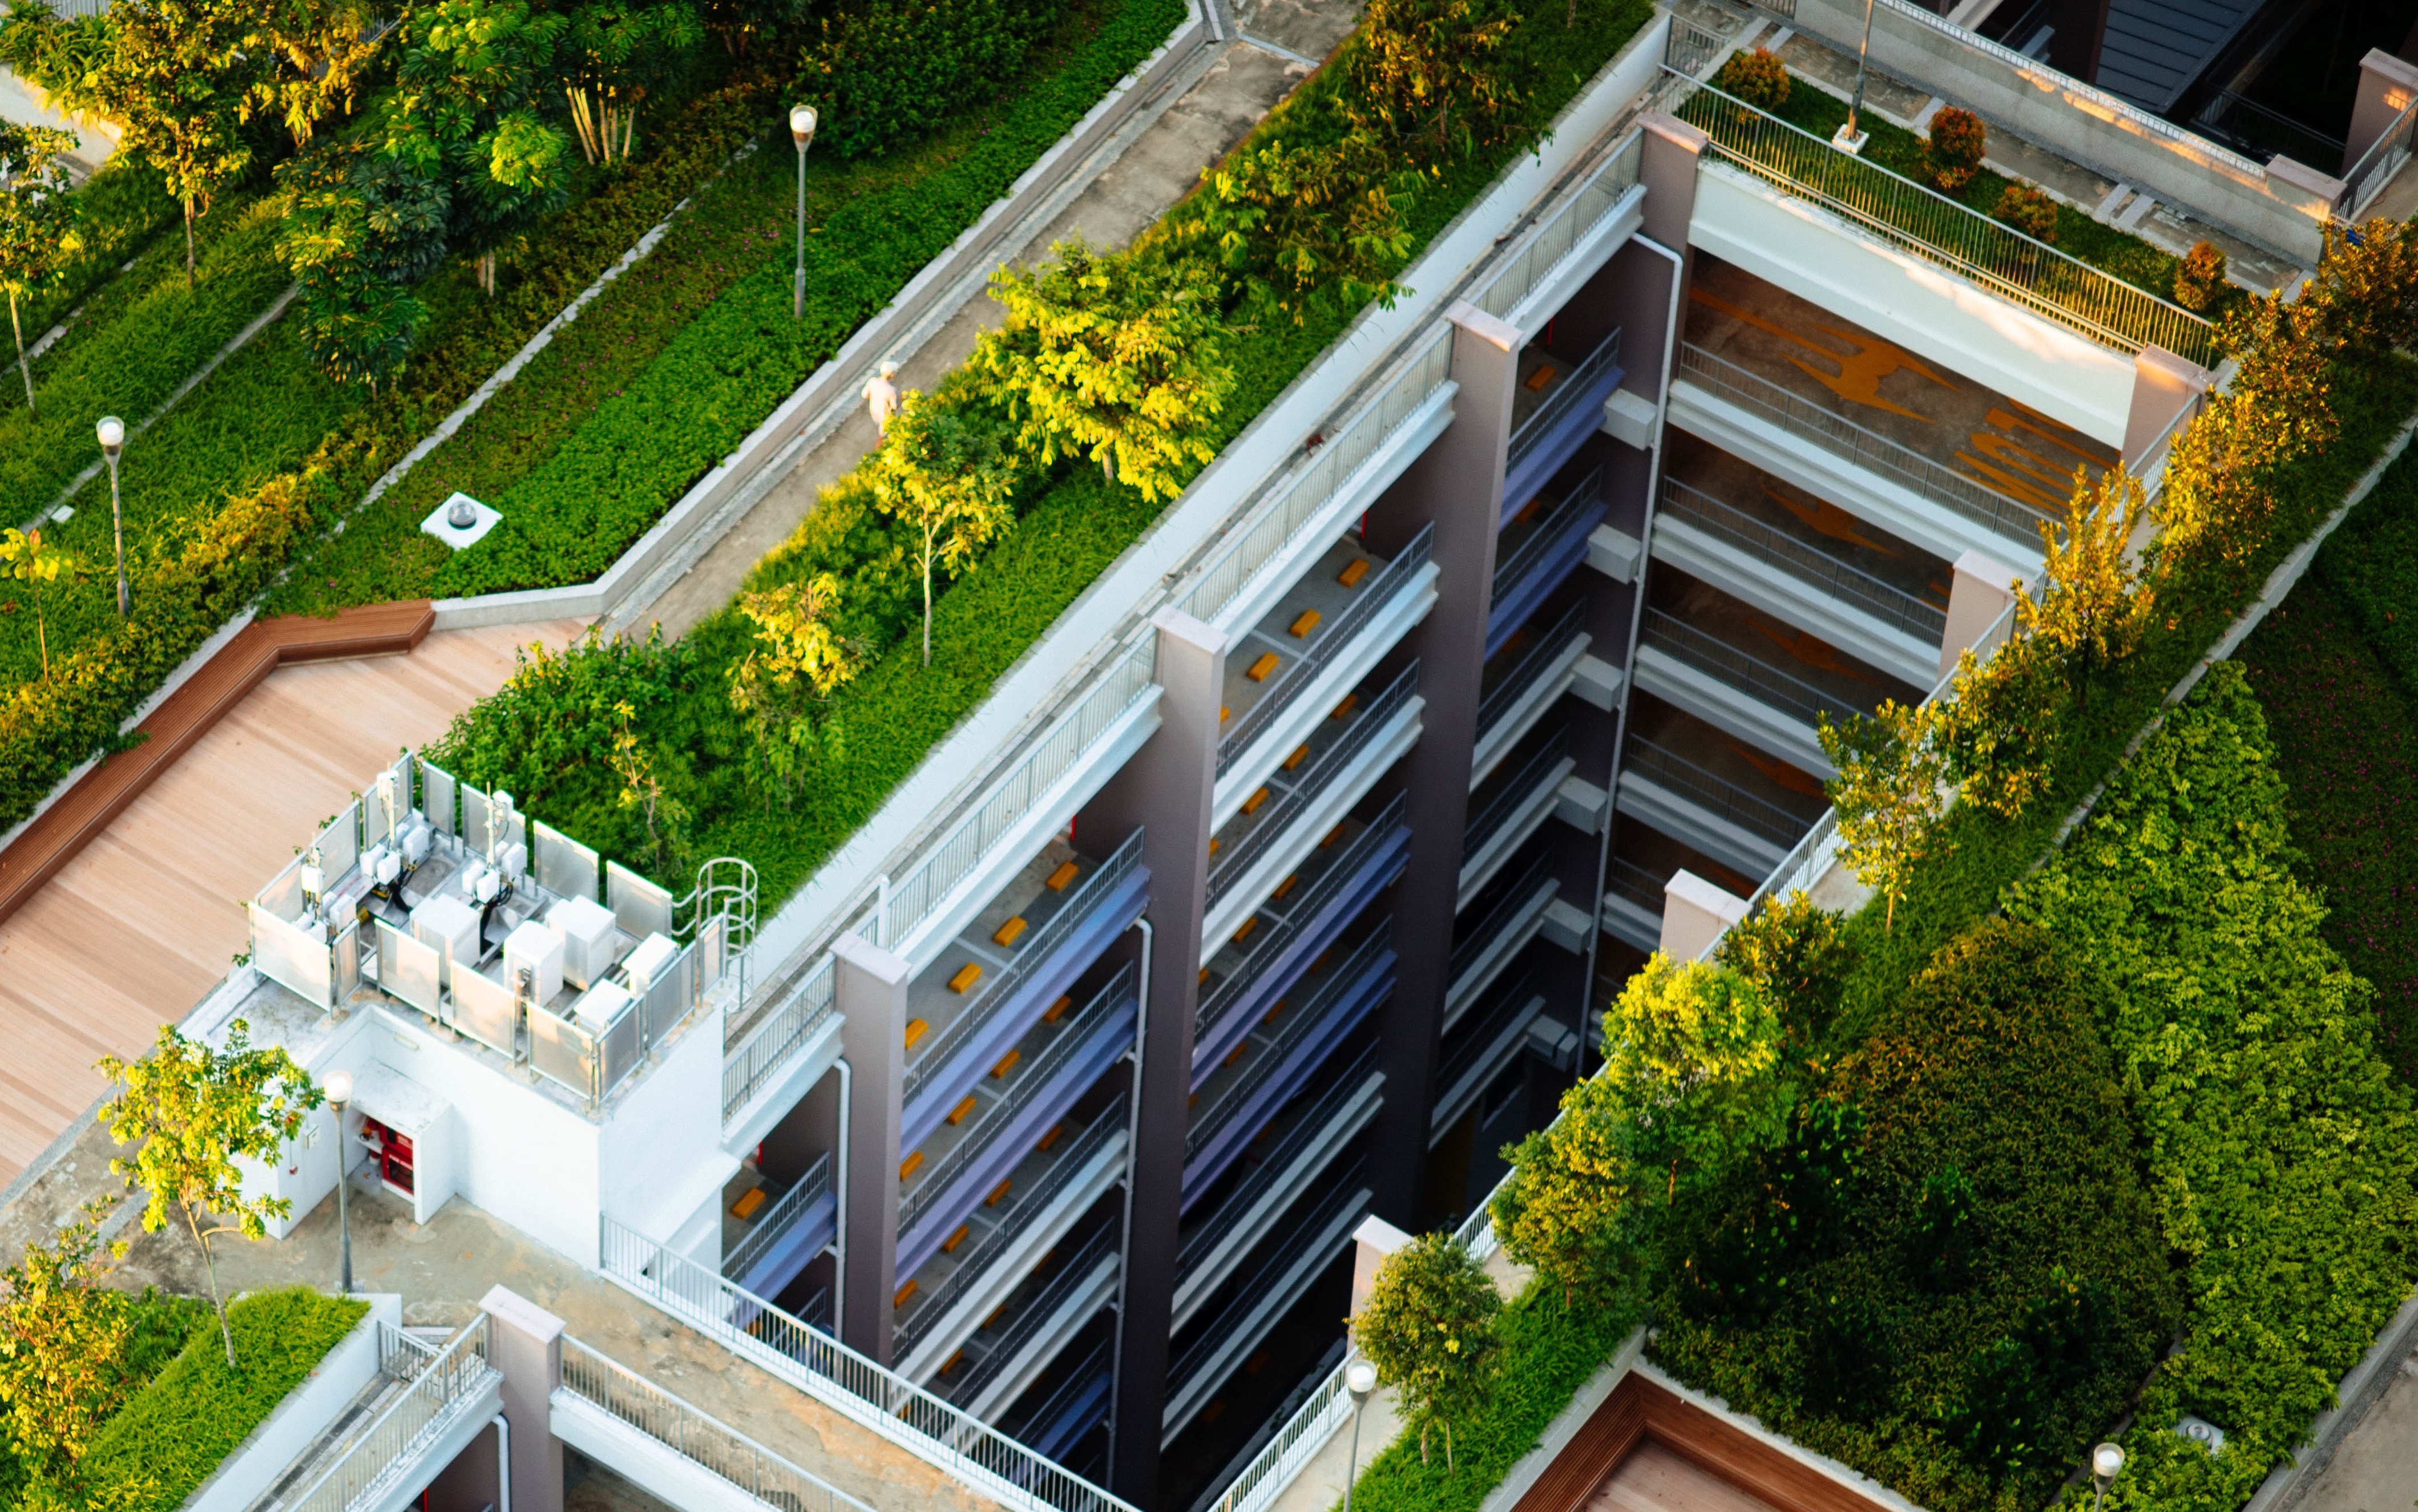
2083,1122
779,725
421,271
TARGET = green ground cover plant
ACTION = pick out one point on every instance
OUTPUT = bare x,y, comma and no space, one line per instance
121,211
543,736
663,375
162,1325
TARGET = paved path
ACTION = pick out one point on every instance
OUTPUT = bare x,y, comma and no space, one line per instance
2376,1467
141,924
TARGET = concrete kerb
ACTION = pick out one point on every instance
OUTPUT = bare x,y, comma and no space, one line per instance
824,401
2359,1390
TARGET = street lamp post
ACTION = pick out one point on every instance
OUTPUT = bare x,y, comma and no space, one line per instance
2106,1461
1360,1379
801,132
112,443
339,1087
1849,139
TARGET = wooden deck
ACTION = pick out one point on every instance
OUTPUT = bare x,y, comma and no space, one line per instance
1648,1449
132,929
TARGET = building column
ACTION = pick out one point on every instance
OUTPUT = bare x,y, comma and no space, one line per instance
870,987
1374,1243
1457,486
1166,792
2163,387
525,1345
2386,87
1695,914
1666,165
1977,594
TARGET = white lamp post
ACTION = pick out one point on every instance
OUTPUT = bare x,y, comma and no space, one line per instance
801,132
339,1088
112,443
1360,1379
2106,1461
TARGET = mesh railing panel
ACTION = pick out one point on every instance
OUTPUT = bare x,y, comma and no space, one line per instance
1533,262
1736,527
1725,799
750,1064
784,1210
1301,788
1710,654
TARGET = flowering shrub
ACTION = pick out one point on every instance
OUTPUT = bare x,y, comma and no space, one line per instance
2199,278
1758,77
2030,211
1954,148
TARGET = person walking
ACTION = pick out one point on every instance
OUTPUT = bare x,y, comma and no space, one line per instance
881,397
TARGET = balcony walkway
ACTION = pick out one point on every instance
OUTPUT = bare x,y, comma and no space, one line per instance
1974,432
182,858
1816,523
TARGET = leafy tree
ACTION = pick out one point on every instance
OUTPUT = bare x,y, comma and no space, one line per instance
614,53
1799,954
2098,600
1694,1051
641,788
797,658
38,221
944,471
1117,357
1431,73
182,77
1998,725
324,48
1890,792
1559,1211
358,225
26,559
1429,1330
195,1110
1310,227
737,24
885,72
63,1341
359,330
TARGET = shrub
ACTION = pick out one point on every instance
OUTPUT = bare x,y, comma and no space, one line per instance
1954,147
1756,77
2199,278
2030,211
886,71
1429,1328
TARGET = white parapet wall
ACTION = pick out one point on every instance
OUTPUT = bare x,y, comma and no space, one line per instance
307,1411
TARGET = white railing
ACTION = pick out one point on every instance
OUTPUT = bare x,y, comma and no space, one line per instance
866,1393
440,1385
695,1436
909,901
1532,264
1254,543
750,1064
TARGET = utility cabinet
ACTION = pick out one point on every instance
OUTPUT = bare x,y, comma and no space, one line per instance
407,1134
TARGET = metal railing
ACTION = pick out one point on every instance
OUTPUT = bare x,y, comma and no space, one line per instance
802,1193
1071,916
1799,416
1217,1334
1297,499
1678,638
1471,943
1528,665
440,1385
750,1064
1297,916
1688,49
1036,1313
986,1250
1075,1385
1512,793
1303,788
1766,543
1300,1020
1725,800
1558,403
695,1436
2378,164
1533,264
2233,116
1375,593
1920,219
905,903
850,1384
1478,1042
1069,1038
1637,884
1273,1166
1546,534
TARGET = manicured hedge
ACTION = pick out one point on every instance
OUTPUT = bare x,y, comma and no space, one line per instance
174,1434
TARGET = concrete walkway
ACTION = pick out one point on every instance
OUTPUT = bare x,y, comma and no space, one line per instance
1243,81
2376,1468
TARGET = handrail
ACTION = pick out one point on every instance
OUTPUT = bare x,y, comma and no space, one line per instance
1478,938
1374,594
1727,799
1588,492
1297,500
802,1194
1546,648
1338,875
1513,793
1071,916
1708,654
1637,884
697,1436
1036,1313
1301,788
1869,449
1558,403
990,1246
438,1391
1069,1038
867,1394
1893,606
1919,218
1299,1022
1539,256
1478,1040
2376,167
1341,1194
908,901
1274,1165
746,1068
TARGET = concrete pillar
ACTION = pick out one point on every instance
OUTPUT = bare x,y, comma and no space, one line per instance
1372,1243
1695,914
1165,791
870,986
1667,167
469,1484
1456,485
1977,595
2386,87
2163,387
525,1344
